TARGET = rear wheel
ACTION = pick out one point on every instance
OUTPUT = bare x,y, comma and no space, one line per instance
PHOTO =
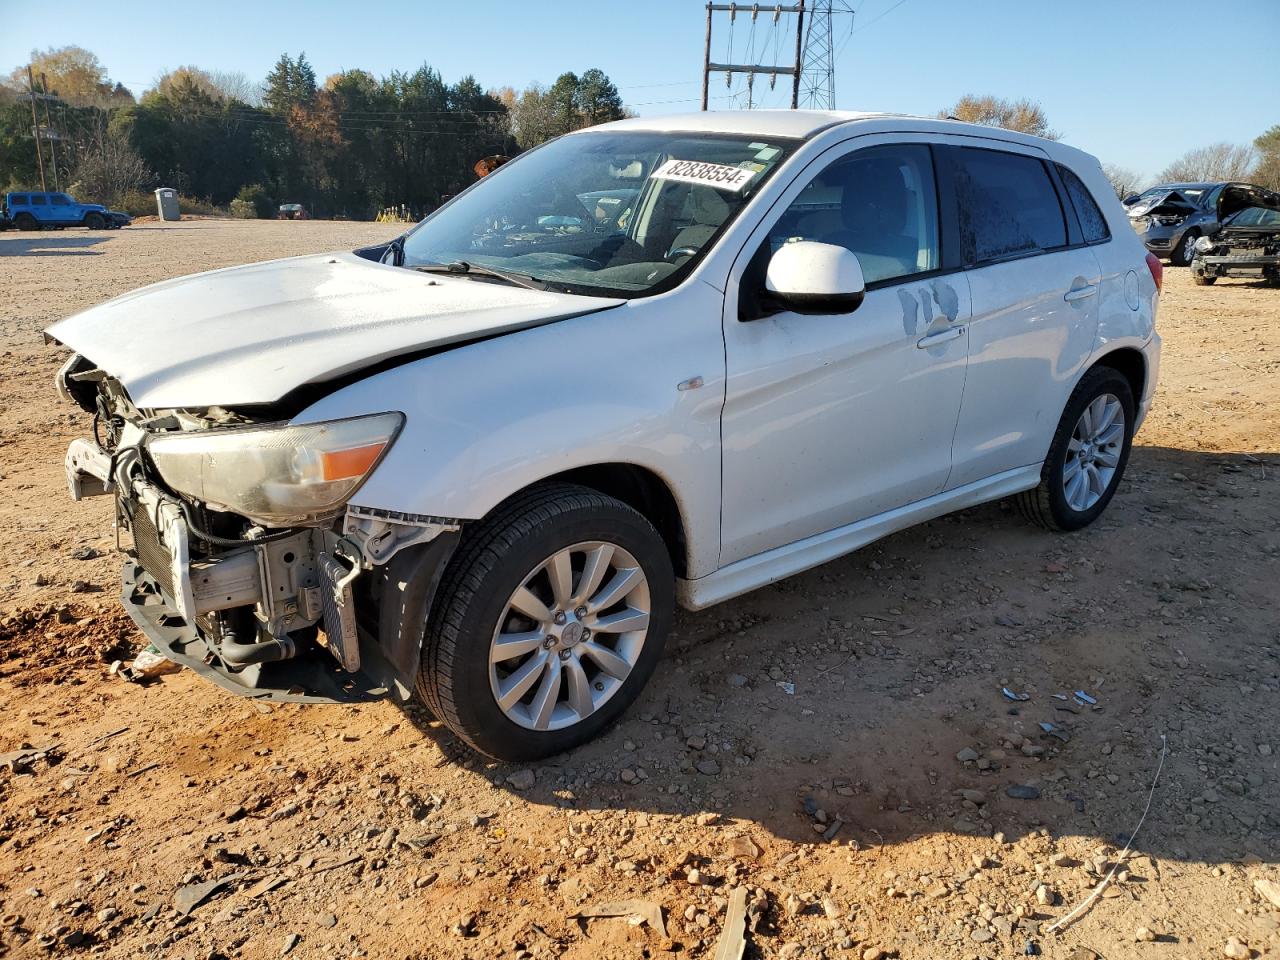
1088,455
550,620
1185,250
25,221
94,221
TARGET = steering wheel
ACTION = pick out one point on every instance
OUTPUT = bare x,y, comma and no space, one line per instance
681,252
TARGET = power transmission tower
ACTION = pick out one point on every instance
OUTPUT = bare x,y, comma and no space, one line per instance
818,69
750,70
812,73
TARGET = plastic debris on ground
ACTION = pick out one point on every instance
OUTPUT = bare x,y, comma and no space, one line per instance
1017,697
151,663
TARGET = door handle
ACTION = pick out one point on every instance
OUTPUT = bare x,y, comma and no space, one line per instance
933,339
1080,293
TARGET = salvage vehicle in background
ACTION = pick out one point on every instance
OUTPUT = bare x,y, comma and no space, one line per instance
656,361
1171,217
38,210
1247,245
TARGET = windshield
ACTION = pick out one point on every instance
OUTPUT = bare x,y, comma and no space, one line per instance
1256,217
601,213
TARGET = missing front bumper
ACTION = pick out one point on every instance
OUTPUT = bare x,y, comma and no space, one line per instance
311,677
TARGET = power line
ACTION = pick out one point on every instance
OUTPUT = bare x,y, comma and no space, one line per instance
879,17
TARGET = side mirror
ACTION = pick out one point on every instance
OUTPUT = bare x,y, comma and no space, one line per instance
815,278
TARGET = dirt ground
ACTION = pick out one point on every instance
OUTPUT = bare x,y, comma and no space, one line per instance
838,744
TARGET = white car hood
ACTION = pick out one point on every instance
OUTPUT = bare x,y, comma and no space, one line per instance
251,334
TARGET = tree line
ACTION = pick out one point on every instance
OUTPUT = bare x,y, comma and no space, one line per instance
345,147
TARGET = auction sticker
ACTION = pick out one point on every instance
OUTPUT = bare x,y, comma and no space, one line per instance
733,179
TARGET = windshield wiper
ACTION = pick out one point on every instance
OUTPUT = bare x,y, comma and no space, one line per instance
475,270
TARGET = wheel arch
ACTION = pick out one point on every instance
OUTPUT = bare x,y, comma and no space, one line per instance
643,490
1130,363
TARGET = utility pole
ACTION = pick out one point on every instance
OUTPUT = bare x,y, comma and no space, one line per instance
751,69
706,61
35,127
48,125
795,81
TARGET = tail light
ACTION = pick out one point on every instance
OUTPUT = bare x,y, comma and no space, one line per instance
1157,270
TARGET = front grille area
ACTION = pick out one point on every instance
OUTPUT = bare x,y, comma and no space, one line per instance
151,552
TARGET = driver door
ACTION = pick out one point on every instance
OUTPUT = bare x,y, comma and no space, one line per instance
829,420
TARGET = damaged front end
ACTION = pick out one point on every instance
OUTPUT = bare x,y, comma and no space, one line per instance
1247,245
246,561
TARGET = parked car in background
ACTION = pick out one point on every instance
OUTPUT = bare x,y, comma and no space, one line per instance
1247,245
485,460
1171,217
292,211
38,210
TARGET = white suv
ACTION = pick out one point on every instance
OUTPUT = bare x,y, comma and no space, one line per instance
659,360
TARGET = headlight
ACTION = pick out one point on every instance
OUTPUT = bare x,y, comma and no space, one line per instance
1203,244
276,475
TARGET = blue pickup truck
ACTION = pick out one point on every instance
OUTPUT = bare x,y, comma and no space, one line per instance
39,211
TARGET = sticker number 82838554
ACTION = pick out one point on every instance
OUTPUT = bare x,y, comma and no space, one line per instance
718,175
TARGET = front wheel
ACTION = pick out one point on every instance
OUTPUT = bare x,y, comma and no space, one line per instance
1185,251
95,221
549,622
1087,456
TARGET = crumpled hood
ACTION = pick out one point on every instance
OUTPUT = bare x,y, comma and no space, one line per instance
251,334
1171,203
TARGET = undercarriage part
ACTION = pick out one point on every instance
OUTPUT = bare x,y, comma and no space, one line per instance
237,654
338,604
226,581
309,677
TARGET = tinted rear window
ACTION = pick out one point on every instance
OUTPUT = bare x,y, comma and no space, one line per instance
19,198
37,200
1008,205
1092,223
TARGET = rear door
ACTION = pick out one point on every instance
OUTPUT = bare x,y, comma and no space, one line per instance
1035,306
60,210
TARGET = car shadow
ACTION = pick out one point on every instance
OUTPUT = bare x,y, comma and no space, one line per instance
49,244
862,701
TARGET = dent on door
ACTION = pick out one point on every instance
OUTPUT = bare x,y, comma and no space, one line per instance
931,312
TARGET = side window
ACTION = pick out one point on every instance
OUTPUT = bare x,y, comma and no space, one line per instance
37,200
1008,205
1092,223
1211,201
60,198
880,202
19,199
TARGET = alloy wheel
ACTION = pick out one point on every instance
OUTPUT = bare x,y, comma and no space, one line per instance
569,636
1093,453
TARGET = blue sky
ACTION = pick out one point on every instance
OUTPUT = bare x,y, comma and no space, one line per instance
1107,72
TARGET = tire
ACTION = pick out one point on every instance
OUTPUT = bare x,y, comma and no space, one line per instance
94,221
509,552
1185,251
1049,504
25,221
